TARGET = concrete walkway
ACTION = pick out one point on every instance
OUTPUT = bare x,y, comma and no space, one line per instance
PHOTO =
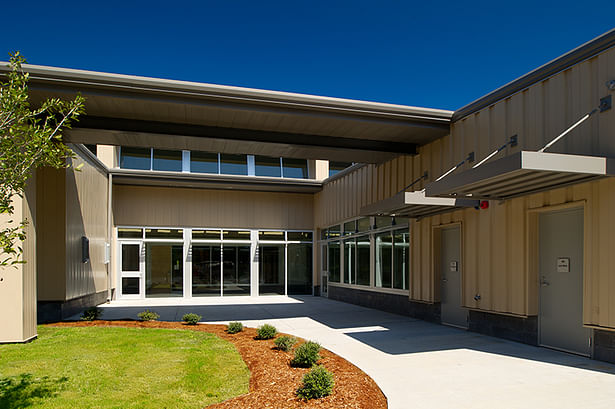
415,363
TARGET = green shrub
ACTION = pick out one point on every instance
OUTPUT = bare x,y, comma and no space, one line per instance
266,331
234,327
306,354
91,314
191,318
285,343
317,383
148,315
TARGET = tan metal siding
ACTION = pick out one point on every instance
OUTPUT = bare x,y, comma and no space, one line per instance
541,112
18,283
157,206
86,215
51,234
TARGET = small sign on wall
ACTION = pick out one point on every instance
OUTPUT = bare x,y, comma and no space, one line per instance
563,264
453,266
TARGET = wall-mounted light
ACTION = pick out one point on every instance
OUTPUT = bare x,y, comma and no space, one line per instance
85,250
611,85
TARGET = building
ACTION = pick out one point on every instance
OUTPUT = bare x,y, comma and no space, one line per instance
197,190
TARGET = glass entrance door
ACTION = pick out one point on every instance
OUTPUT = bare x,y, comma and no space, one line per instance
164,269
131,270
206,264
271,277
236,269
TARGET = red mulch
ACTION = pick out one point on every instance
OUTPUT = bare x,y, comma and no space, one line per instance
273,381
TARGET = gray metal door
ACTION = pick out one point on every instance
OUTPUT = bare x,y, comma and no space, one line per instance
450,265
561,281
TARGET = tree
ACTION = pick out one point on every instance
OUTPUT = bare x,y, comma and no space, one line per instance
29,138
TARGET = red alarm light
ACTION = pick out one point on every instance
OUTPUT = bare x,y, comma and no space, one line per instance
484,204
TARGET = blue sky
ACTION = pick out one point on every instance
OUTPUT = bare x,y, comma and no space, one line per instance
443,55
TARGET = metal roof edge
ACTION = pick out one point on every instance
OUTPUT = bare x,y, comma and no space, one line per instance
150,84
575,56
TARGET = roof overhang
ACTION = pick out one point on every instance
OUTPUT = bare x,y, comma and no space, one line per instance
220,182
415,205
522,173
120,106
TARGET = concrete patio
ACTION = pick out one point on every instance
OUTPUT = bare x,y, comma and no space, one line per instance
416,364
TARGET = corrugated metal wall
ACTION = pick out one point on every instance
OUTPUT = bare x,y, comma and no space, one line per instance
497,258
168,207
86,215
51,234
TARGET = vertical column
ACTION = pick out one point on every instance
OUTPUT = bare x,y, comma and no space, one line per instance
187,263
254,256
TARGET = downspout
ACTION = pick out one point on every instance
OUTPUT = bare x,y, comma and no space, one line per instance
109,234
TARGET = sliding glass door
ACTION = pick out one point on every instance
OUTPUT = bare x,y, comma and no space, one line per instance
164,269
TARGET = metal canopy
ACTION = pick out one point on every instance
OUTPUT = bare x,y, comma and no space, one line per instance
522,173
206,181
415,205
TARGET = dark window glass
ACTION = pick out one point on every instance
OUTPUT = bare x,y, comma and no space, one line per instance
206,262
295,168
164,234
363,224
170,161
130,257
383,221
384,244
205,234
324,234
299,236
271,236
203,162
233,164
235,235
266,166
335,167
401,259
92,148
236,270
350,228
135,158
334,261
164,270
271,269
400,220
363,260
130,285
299,269
126,233
334,231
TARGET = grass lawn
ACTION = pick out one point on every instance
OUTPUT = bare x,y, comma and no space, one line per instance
96,367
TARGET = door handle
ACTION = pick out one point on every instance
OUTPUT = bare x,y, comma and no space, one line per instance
444,280
544,282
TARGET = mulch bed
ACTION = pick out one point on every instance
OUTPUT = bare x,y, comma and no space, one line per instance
273,381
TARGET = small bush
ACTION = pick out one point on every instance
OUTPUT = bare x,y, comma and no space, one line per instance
148,315
317,383
306,354
91,314
234,327
285,343
266,331
191,318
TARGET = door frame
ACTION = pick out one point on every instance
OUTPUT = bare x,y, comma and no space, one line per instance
533,261
436,247
131,274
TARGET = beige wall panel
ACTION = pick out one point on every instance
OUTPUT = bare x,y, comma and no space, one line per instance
86,215
18,283
51,234
176,207
107,155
